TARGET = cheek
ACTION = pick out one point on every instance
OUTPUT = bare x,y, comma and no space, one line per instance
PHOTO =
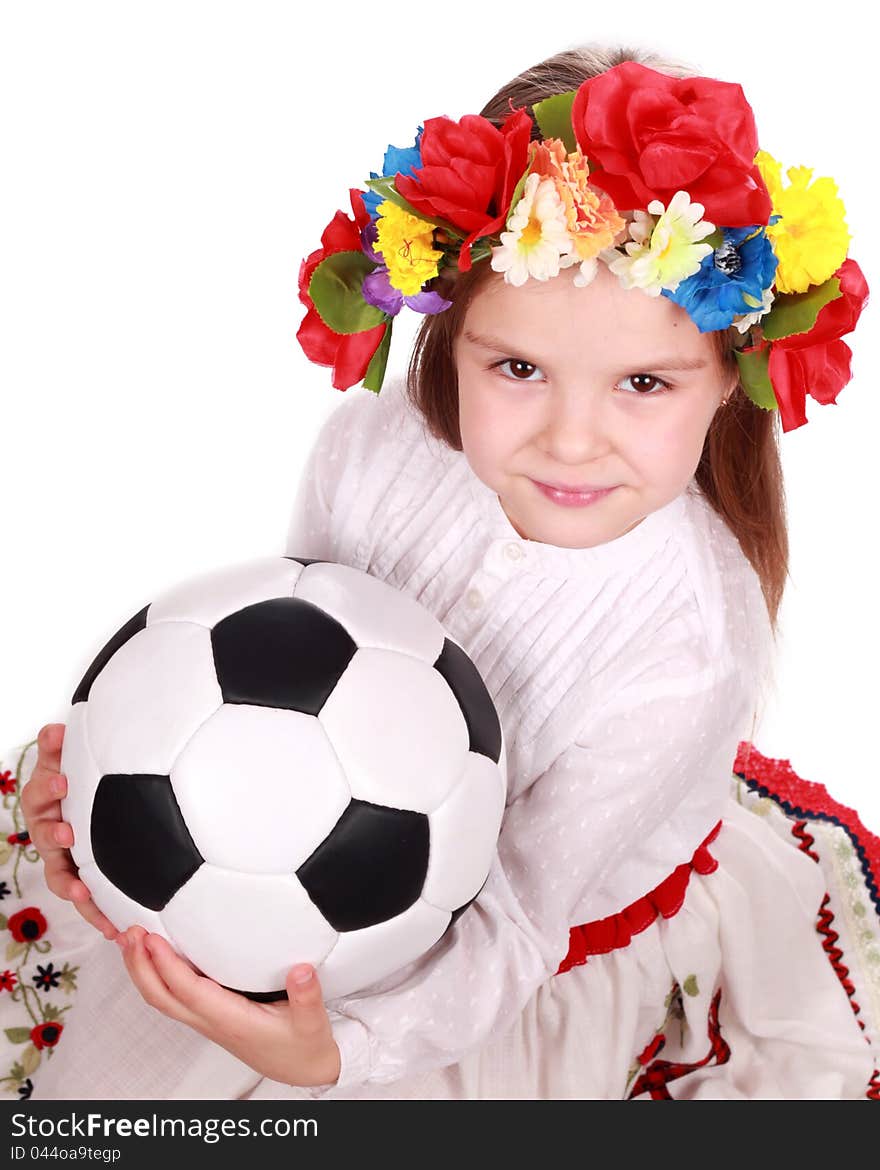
671,443
487,429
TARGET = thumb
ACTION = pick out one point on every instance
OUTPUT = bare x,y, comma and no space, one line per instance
304,989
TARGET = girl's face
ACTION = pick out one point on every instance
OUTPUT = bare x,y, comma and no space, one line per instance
601,386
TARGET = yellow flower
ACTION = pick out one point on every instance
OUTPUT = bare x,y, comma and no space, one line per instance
405,243
811,239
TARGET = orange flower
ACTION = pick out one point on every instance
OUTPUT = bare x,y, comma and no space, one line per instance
592,219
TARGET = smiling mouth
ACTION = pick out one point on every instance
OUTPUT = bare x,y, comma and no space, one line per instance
577,489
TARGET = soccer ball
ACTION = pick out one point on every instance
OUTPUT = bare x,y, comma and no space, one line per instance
285,761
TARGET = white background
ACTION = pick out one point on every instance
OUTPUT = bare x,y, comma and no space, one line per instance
165,168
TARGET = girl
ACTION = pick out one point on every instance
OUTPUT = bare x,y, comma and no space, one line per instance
580,478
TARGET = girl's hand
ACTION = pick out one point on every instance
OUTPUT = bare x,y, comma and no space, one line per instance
51,836
291,1042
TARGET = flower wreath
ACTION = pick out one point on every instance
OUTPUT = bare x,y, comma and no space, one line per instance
708,222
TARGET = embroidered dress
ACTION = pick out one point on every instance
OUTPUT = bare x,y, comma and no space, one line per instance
644,931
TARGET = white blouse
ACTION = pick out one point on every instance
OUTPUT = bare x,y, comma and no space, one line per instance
624,676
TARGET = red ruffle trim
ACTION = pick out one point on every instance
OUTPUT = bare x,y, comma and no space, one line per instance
805,798
771,777
608,934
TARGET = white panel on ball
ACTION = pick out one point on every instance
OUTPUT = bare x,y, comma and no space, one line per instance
361,957
210,597
259,787
77,761
397,729
122,911
459,860
374,613
146,701
247,930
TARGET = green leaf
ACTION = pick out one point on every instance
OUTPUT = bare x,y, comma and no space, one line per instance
755,377
797,312
385,187
30,1059
376,369
335,288
553,116
715,240
689,987
518,190
17,1035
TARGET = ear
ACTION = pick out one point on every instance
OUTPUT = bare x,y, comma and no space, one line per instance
730,385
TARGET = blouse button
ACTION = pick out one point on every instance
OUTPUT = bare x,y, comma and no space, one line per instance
474,598
514,551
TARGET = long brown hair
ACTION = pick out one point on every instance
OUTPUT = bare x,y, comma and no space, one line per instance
739,472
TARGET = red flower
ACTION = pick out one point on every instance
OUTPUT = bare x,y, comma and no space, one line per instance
648,135
468,174
7,783
8,980
818,362
348,353
27,925
23,838
46,1035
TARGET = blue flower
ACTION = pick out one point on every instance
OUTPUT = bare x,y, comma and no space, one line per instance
403,160
744,265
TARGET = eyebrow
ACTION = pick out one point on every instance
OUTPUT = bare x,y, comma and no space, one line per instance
498,345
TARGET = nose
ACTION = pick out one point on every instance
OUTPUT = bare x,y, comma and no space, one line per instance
575,431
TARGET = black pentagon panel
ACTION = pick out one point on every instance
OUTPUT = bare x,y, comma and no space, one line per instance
370,867
139,838
132,626
284,653
475,702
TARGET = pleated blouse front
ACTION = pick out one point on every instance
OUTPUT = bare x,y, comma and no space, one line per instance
624,677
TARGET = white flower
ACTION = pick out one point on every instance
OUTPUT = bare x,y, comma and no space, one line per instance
745,322
536,242
589,268
663,249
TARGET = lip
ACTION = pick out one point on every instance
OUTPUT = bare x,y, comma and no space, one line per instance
580,488
569,497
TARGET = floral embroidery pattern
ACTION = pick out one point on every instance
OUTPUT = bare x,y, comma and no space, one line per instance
29,976
659,1073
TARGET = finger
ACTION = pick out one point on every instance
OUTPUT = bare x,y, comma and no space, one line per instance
149,981
62,878
206,1004
43,792
73,890
214,1005
308,1012
90,912
50,740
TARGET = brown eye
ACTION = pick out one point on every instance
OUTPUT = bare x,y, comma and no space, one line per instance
646,385
518,365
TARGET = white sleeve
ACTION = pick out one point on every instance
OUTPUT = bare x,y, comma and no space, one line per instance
639,759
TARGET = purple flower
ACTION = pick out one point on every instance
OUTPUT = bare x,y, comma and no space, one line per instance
378,290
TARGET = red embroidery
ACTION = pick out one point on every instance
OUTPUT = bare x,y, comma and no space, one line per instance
607,934
658,1074
806,840
797,797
